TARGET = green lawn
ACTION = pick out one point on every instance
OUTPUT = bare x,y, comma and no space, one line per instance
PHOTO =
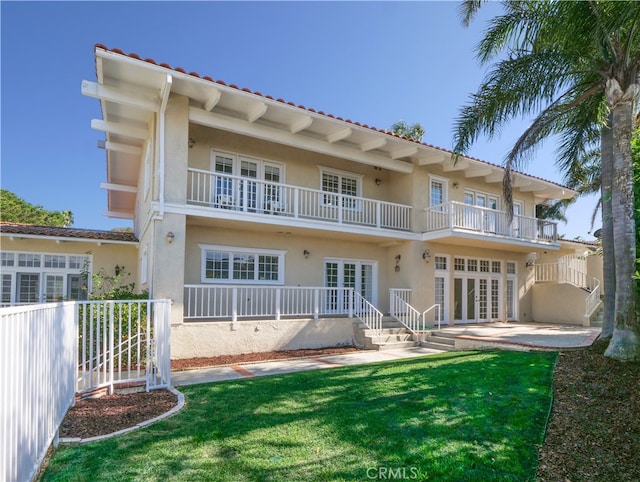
475,416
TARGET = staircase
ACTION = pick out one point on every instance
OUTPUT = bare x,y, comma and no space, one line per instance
393,335
439,340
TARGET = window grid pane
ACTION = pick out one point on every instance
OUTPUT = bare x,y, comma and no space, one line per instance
54,287
484,266
217,266
472,265
8,259
29,260
441,262
55,261
437,193
511,267
6,288
458,264
496,267
268,268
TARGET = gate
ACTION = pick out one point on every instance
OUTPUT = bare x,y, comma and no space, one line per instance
124,343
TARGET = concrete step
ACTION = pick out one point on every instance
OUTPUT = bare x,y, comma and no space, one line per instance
391,338
384,331
444,334
443,340
393,346
437,346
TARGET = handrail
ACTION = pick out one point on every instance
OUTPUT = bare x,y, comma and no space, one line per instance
366,312
593,300
424,313
406,314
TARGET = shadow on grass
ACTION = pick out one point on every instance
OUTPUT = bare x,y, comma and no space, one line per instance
454,416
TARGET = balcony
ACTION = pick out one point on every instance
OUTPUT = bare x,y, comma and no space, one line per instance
245,196
465,224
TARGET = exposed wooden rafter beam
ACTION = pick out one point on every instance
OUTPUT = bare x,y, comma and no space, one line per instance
495,177
218,121
376,143
118,214
300,124
455,166
256,112
119,129
213,99
119,96
405,152
116,146
478,172
118,187
434,159
339,135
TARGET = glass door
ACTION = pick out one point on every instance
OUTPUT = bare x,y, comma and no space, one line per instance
359,275
248,188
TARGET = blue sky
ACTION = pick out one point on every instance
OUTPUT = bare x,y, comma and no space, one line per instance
375,63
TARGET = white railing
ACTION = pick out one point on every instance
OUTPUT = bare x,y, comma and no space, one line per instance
401,309
463,217
254,196
367,313
570,269
38,356
123,341
224,302
593,300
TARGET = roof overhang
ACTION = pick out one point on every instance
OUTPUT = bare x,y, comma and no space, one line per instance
131,92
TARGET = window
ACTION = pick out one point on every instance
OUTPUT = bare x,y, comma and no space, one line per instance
472,265
40,277
458,264
224,264
29,260
441,262
496,267
55,261
339,182
437,191
511,267
8,259
484,266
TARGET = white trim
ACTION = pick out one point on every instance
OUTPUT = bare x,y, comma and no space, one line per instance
445,189
360,262
65,239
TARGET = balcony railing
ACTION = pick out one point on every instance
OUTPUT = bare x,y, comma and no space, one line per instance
457,216
241,194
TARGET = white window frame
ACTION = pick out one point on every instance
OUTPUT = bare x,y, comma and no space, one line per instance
231,250
359,178
445,190
360,263
144,264
44,271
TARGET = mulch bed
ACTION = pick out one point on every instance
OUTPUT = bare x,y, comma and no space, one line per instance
593,432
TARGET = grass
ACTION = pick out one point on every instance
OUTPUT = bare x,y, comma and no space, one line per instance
454,416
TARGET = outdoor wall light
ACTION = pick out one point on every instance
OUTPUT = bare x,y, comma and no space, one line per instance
378,181
456,184
192,142
306,253
398,258
119,269
426,255
170,237
531,259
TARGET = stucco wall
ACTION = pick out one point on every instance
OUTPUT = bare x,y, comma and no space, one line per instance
227,338
559,303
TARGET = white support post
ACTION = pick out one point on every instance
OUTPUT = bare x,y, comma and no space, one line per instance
234,304
278,294
111,346
316,303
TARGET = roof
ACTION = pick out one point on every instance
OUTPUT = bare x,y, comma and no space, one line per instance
72,233
131,89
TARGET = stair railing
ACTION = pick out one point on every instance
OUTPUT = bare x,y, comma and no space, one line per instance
437,309
406,314
593,300
366,312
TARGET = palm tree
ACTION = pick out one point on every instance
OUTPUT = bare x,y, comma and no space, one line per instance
574,63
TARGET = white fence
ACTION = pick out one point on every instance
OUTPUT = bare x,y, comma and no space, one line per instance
124,341
261,197
464,217
38,359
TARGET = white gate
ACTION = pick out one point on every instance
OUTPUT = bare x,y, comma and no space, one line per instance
124,342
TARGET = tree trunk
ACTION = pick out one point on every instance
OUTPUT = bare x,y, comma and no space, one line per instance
625,342
608,261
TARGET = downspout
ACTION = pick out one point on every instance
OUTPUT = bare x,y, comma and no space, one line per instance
166,90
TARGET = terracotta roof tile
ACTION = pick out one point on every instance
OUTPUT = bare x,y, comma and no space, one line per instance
75,233
310,109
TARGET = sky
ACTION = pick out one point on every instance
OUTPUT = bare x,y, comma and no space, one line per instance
371,62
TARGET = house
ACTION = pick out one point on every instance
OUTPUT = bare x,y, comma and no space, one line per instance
272,225
44,264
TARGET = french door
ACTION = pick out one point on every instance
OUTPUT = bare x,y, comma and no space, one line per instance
477,299
342,273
